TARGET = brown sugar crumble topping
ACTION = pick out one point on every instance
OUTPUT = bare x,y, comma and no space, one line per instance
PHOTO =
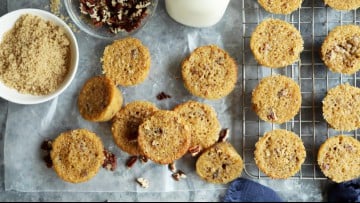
118,15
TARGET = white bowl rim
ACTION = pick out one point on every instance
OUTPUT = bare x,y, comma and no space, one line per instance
13,95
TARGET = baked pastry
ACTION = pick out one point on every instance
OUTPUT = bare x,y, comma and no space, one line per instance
219,164
126,61
341,107
279,154
341,49
164,137
125,125
266,47
343,5
209,72
99,99
276,99
339,158
203,122
77,155
280,6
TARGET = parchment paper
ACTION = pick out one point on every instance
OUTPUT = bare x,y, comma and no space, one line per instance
169,43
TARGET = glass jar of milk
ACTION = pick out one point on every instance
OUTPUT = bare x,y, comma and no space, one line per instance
196,13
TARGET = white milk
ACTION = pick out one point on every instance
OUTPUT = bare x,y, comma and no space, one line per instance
196,13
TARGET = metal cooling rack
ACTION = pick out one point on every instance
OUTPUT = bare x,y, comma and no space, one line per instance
314,20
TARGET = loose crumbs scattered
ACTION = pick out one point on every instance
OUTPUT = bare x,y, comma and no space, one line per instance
34,56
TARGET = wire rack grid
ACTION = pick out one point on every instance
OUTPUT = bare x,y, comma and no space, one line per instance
314,20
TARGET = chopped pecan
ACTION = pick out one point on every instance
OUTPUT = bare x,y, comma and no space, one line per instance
272,116
143,182
131,161
195,150
178,175
162,96
110,162
48,161
172,167
143,159
46,145
223,135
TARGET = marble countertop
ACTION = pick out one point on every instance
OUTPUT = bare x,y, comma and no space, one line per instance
289,190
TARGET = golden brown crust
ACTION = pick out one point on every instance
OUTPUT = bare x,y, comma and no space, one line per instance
99,99
126,122
280,6
77,155
340,50
276,99
343,5
219,164
126,61
164,137
279,154
203,122
341,107
209,72
266,47
339,158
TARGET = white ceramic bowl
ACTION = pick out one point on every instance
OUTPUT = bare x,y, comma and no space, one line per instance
7,22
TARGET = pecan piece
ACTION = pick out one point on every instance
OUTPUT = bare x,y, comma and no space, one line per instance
162,96
195,150
272,116
143,159
110,161
223,135
172,167
131,162
143,182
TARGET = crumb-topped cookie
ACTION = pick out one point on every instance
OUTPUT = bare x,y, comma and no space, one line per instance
279,154
164,137
341,49
99,99
77,155
125,125
219,164
339,158
280,6
209,72
276,43
126,61
276,99
341,107
343,5
203,123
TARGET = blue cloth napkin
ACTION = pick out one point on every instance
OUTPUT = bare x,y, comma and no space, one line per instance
244,190
345,192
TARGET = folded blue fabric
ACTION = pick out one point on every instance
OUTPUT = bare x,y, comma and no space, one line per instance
345,192
244,190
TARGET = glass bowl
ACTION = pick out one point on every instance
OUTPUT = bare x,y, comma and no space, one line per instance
85,23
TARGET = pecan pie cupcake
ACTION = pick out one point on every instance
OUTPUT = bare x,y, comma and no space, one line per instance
126,61
77,155
276,99
341,49
125,125
276,43
219,164
209,72
339,158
